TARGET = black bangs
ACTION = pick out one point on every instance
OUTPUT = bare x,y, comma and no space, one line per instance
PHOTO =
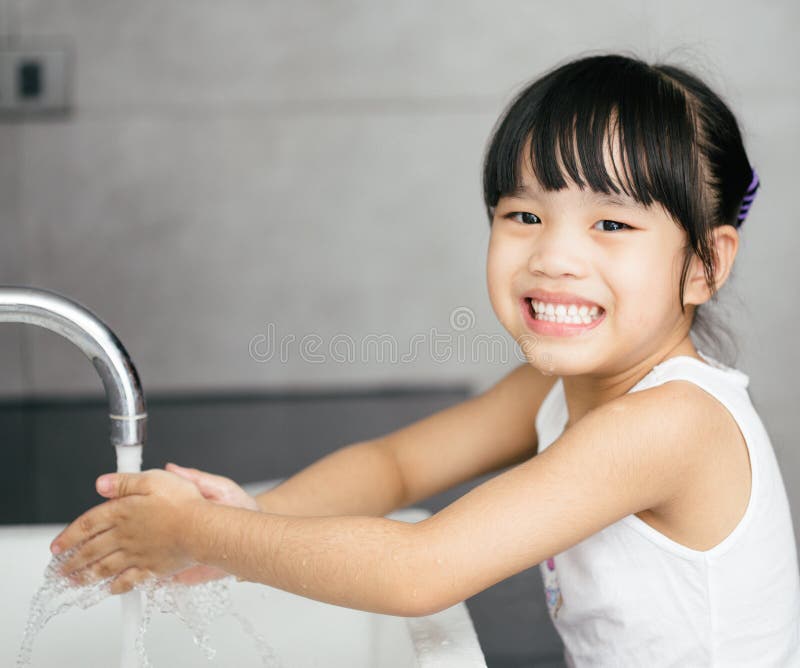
573,115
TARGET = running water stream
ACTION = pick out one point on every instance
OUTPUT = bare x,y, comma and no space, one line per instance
129,460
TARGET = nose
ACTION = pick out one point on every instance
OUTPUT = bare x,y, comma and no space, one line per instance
557,252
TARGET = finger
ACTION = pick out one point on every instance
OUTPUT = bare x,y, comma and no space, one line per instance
128,579
211,486
96,548
114,485
93,521
189,474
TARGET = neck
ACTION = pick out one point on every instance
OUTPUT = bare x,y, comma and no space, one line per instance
586,392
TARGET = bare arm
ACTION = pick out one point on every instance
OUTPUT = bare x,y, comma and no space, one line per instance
365,562
480,435
358,479
622,457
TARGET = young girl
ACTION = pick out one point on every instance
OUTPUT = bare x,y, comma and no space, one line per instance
641,480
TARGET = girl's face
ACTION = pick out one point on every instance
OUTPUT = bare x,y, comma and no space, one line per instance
581,248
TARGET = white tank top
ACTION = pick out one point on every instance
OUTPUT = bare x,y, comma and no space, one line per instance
630,597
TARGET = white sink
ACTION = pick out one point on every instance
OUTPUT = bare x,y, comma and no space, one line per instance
301,631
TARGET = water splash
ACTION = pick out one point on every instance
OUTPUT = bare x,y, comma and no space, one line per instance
55,596
197,606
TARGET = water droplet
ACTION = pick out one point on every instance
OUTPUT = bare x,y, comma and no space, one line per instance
197,606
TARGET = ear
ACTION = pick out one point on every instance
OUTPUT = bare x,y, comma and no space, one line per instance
725,244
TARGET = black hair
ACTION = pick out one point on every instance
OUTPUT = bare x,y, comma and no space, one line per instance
678,143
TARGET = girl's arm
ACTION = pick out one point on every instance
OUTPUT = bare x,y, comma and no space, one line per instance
483,434
358,479
631,454
486,433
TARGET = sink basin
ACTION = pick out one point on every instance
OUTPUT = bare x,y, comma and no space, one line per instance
301,631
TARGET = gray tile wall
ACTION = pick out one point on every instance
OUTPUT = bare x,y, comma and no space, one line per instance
315,166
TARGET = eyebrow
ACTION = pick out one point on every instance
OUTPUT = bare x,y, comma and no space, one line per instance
600,198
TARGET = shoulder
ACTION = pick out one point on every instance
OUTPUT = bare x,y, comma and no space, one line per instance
680,399
658,439
678,409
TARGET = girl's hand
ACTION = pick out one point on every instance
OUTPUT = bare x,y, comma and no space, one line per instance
216,488
143,531
220,490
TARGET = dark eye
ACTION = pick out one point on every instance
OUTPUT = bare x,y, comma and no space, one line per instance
527,217
612,225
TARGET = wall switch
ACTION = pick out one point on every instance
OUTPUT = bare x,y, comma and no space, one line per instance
34,79
30,79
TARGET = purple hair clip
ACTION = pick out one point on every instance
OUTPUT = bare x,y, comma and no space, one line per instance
748,198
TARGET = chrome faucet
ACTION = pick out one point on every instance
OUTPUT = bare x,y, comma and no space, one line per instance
123,390
76,323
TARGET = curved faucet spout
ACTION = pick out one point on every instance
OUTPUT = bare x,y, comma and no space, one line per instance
79,325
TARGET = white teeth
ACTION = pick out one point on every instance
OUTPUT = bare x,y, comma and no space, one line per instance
566,313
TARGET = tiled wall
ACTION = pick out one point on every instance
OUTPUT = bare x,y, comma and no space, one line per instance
315,165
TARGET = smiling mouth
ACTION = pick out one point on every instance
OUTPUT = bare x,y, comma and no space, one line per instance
568,314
